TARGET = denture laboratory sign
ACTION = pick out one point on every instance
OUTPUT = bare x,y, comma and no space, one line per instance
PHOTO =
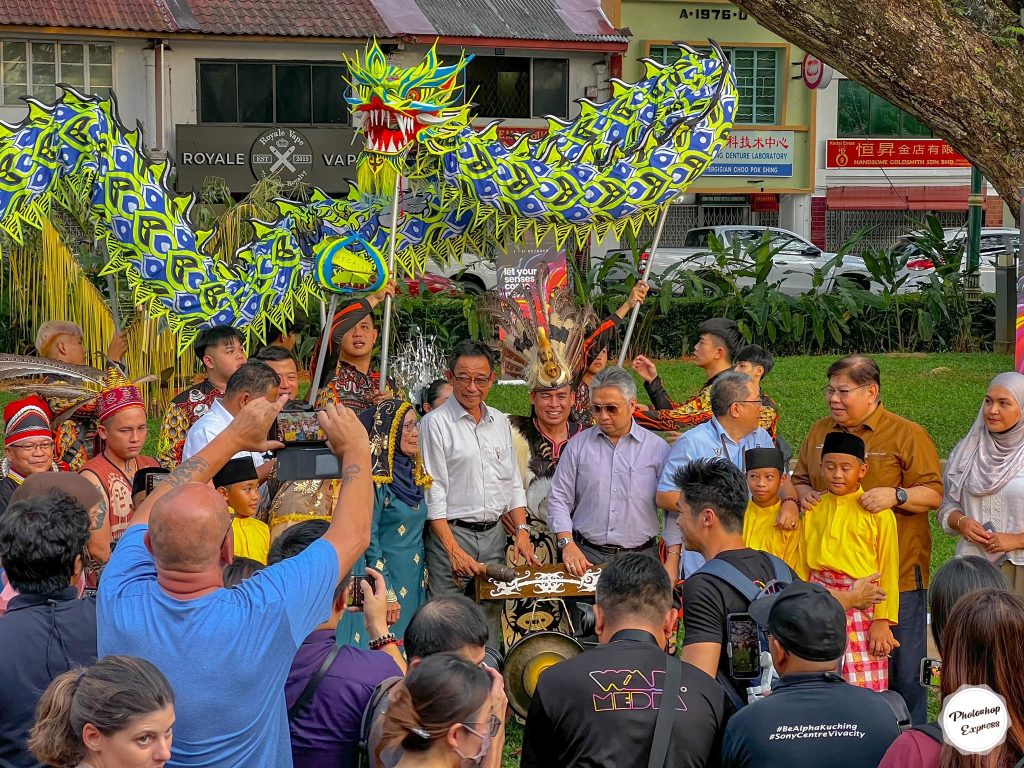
755,153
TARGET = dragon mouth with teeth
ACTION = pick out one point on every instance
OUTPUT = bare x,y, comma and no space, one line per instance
388,131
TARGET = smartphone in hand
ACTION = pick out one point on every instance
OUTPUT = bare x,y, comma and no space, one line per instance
743,649
996,558
355,595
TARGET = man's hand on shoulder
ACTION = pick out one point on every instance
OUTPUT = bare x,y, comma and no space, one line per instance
345,433
864,593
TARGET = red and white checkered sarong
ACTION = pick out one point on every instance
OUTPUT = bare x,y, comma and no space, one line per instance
859,666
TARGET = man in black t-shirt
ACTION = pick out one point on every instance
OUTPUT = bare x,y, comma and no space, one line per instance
600,708
813,717
713,499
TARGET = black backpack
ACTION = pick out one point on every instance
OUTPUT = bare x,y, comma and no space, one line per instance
373,709
750,592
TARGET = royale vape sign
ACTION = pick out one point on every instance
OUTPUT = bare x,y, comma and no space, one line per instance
324,157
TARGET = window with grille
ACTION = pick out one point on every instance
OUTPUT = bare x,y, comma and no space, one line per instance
33,68
270,93
517,87
758,80
862,113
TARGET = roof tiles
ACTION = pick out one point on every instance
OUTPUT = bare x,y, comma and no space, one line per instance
132,15
519,19
292,18
556,20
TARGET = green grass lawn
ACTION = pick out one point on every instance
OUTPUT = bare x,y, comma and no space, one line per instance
942,392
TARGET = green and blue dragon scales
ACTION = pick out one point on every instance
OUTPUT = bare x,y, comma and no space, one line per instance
613,167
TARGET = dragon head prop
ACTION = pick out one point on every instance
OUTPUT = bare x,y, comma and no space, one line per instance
395,107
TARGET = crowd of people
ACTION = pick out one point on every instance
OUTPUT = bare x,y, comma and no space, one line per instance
196,609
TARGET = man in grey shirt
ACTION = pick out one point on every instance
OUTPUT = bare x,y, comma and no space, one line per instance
467,450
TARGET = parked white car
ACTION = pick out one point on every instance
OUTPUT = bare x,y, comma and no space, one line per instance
793,265
994,241
473,275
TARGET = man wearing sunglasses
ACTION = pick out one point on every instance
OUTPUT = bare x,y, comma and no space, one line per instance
904,476
602,495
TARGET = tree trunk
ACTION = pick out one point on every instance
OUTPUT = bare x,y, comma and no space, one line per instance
937,59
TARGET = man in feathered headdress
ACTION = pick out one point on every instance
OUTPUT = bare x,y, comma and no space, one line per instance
28,444
122,429
546,343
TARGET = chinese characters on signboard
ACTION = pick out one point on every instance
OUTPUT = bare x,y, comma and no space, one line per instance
892,153
755,153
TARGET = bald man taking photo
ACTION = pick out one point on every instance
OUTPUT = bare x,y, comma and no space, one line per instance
227,652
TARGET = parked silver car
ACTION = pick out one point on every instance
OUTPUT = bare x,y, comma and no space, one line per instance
793,264
994,241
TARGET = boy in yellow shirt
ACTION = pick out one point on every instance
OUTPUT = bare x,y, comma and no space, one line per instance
765,472
238,483
844,542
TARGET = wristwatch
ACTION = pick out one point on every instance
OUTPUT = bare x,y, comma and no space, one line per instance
522,527
901,496
563,542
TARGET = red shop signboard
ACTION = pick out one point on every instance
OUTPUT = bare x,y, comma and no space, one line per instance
892,153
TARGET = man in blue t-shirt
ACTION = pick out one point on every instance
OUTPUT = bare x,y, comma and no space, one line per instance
227,652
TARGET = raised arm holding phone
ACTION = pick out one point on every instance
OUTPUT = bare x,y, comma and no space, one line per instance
162,596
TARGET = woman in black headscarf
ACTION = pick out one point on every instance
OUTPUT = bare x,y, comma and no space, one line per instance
399,514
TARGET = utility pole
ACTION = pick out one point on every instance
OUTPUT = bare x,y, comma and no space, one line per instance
975,201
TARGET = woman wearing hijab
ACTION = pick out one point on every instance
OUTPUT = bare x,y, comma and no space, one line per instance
399,514
983,502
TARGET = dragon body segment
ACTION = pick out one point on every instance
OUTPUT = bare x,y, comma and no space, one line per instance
613,167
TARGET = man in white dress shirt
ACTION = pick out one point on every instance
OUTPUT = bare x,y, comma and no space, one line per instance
467,450
250,382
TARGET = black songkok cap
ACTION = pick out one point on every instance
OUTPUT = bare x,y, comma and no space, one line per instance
763,458
235,471
843,442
